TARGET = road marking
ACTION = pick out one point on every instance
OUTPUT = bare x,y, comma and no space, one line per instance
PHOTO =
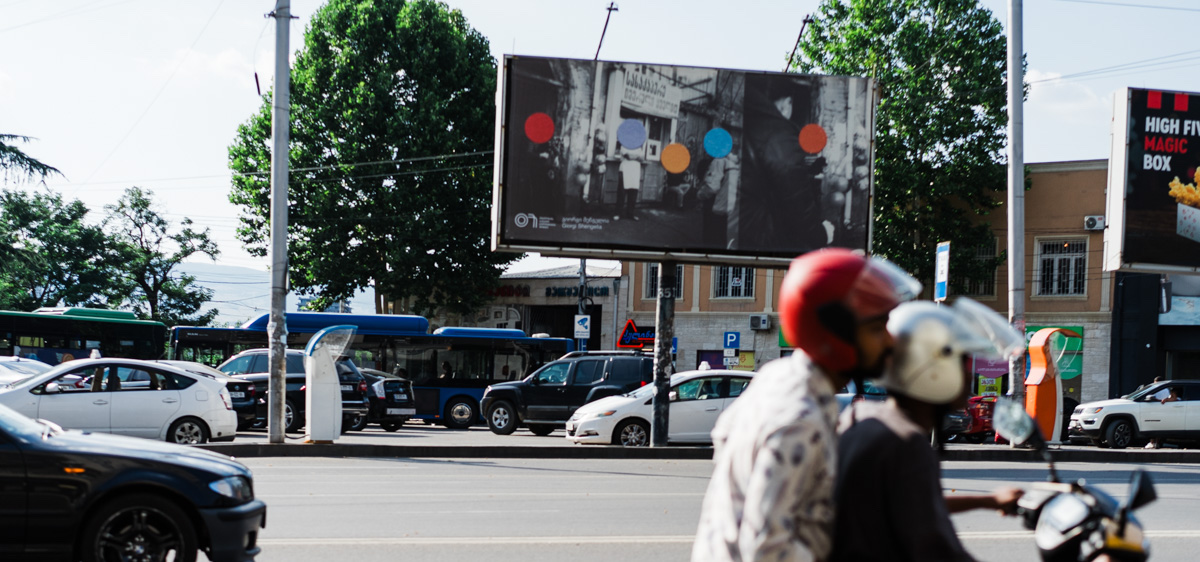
482,496
1028,535
422,541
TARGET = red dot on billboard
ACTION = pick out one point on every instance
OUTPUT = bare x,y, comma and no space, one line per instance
539,127
812,138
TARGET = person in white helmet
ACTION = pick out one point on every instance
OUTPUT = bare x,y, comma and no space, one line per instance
888,482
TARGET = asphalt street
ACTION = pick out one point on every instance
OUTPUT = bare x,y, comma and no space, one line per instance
604,509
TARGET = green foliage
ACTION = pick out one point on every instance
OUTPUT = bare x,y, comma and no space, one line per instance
377,85
49,256
19,166
149,252
940,125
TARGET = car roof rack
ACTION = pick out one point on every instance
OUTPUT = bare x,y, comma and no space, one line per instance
629,352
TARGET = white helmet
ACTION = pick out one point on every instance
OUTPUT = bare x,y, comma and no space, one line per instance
932,340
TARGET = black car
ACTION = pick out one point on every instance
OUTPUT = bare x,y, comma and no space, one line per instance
392,399
251,366
71,495
545,400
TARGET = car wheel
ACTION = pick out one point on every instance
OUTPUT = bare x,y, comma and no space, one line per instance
187,431
1119,434
541,430
358,422
291,421
390,427
151,527
502,418
632,433
460,413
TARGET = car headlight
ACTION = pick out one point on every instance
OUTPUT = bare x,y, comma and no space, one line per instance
603,414
233,487
1095,410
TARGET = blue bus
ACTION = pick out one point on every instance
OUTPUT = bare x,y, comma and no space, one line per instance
449,368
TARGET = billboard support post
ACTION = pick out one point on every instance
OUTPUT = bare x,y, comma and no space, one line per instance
1016,193
664,332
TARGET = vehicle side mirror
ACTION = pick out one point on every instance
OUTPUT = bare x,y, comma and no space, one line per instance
535,381
673,396
53,388
1141,490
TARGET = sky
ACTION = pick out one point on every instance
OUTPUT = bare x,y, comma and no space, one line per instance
149,93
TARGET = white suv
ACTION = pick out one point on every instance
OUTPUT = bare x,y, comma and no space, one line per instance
1118,422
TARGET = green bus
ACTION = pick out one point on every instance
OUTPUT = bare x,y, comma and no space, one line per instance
55,335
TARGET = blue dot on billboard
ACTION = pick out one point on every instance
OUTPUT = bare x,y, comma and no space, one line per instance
631,134
718,143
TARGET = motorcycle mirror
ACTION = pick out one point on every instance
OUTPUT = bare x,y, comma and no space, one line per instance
1010,420
1141,490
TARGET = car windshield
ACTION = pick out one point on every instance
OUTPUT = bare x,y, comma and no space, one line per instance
1140,393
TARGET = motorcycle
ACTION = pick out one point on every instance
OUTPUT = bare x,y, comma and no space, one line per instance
1072,520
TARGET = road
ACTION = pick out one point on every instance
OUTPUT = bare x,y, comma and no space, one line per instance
583,510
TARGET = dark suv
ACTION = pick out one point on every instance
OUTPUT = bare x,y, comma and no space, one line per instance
251,365
545,400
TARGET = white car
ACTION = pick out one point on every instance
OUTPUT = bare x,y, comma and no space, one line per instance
127,397
13,368
1162,410
697,398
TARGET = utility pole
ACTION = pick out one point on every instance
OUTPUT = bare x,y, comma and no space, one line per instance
277,324
664,332
1016,194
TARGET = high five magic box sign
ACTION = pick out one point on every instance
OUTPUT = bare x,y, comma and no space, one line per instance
1153,208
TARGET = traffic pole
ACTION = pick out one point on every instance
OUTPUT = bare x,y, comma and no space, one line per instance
277,324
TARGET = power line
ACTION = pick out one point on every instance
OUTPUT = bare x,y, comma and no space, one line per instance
1123,4
160,91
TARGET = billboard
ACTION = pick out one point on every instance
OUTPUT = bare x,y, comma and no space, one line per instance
655,162
1153,207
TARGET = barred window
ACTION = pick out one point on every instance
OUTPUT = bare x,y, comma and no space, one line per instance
652,281
1062,267
982,287
735,282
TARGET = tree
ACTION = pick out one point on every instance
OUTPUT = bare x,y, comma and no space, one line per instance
149,253
392,103
940,123
23,166
50,257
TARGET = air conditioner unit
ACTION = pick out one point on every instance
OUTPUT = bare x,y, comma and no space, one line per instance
1093,222
760,322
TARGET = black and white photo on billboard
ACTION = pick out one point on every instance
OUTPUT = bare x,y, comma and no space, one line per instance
682,160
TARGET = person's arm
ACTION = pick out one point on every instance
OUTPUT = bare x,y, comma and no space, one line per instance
783,516
1004,500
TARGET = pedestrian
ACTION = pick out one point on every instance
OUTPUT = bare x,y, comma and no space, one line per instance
631,181
771,492
888,480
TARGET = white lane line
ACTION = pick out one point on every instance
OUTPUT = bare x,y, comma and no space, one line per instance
1028,535
268,496
422,541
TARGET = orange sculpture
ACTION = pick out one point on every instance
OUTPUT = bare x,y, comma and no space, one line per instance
1043,387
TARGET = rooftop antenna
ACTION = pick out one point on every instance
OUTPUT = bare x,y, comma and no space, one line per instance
807,20
612,7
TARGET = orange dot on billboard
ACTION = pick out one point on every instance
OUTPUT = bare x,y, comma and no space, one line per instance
675,158
539,127
812,138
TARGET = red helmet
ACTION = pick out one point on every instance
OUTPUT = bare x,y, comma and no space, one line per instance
827,293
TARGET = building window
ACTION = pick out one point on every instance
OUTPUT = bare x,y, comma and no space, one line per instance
652,281
982,287
1062,267
733,282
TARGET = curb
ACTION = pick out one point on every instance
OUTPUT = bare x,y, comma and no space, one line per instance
997,453
247,450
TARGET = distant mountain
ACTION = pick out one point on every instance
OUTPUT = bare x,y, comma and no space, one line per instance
241,293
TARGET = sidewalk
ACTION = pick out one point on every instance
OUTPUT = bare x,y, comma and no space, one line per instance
416,441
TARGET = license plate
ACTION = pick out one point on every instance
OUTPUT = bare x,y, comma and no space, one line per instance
237,394
347,388
400,397
401,411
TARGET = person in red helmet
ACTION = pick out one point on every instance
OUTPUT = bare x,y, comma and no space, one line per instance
771,492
